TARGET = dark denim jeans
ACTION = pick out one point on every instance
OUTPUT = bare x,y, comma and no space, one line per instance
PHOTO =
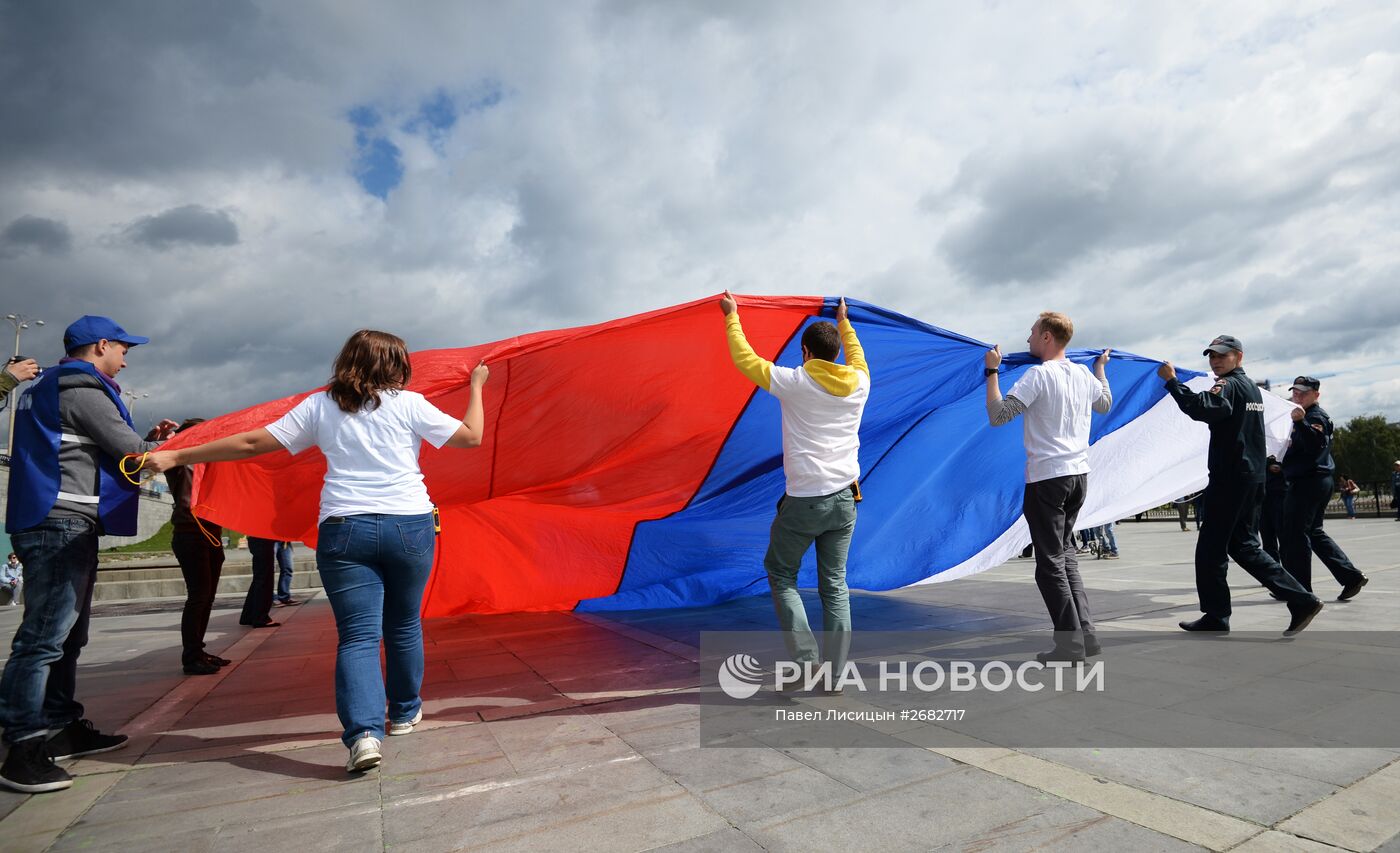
60,568
374,569
284,572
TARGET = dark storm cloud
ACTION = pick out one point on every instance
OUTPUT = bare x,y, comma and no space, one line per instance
48,236
190,225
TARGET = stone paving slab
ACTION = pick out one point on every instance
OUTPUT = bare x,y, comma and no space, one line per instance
567,731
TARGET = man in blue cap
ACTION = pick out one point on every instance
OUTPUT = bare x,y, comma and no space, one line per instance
71,432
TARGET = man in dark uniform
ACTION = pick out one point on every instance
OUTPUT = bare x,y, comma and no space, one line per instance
1234,410
1271,512
1309,468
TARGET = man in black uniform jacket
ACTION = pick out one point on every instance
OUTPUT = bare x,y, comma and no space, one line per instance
1234,410
1309,468
1271,513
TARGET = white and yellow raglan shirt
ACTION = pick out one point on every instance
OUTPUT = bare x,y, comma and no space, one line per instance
822,404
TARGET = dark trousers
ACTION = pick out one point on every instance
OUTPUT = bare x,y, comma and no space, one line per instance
257,607
1181,513
1271,523
1302,535
1051,508
201,564
1229,531
41,677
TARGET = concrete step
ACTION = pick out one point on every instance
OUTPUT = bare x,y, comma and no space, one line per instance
170,570
158,582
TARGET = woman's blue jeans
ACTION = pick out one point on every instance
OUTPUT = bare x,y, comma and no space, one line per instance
374,569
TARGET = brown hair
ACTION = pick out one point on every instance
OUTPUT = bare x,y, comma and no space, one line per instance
822,341
369,362
1060,327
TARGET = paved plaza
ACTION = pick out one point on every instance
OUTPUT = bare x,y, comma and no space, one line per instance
565,731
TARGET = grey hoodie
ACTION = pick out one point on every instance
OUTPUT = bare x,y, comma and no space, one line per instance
85,410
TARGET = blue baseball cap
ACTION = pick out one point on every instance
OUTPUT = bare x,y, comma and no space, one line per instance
89,329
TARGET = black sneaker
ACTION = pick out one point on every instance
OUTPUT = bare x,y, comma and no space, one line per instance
1350,590
80,737
201,667
215,659
1092,646
29,769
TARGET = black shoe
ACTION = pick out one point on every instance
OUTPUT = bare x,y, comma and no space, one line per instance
1092,646
1350,590
291,602
1060,656
30,770
268,624
1275,596
1207,623
201,667
1302,618
80,737
215,659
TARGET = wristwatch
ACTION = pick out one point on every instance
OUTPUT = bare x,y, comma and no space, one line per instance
990,371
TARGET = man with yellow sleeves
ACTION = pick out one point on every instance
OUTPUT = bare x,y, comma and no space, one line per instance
822,403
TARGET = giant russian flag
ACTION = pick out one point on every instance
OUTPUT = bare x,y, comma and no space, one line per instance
629,465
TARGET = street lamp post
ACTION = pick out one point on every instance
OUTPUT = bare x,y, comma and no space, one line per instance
20,322
132,397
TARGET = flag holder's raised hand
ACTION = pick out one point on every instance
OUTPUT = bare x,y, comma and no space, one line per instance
727,303
993,357
841,313
1166,372
480,373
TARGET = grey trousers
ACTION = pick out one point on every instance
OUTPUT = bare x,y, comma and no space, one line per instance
1051,508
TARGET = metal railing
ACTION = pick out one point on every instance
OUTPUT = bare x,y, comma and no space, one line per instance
1372,501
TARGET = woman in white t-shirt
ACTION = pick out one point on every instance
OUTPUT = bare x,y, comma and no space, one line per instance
375,538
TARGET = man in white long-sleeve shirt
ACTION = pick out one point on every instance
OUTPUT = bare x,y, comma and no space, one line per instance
1055,399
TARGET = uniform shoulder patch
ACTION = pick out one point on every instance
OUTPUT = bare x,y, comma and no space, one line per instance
1219,385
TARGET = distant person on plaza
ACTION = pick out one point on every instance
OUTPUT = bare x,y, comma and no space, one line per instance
71,432
257,604
283,596
1108,542
1308,466
1183,512
375,540
1271,510
1233,409
199,549
1347,486
1057,399
12,579
16,372
822,406
1395,489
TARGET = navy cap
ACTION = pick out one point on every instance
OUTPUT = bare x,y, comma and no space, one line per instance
1223,344
89,329
1305,383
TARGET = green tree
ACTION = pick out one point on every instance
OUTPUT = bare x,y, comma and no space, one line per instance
1366,448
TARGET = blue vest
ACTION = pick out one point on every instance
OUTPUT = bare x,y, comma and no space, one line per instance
34,472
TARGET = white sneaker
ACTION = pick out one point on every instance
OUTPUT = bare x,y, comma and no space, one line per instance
364,754
406,726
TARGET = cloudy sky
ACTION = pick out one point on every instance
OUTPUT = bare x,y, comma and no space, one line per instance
247,182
